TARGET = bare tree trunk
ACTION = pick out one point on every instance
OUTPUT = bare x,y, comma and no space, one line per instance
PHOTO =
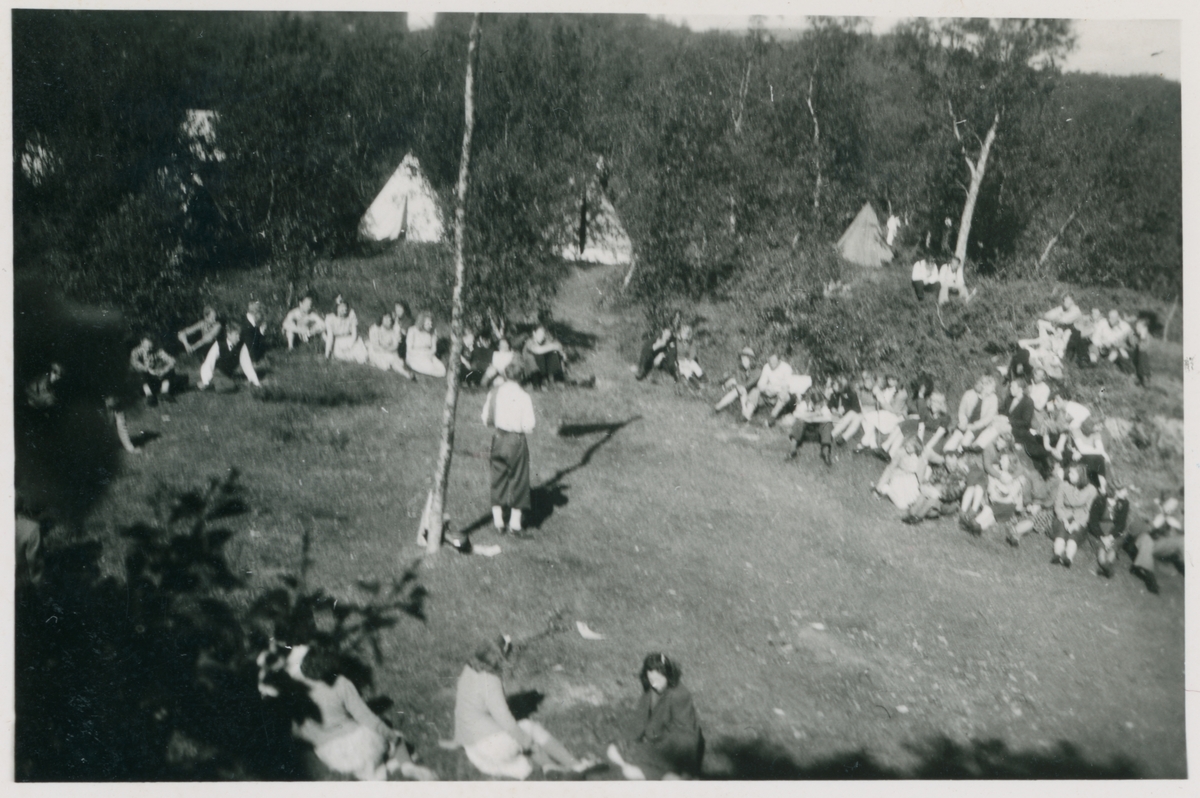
977,169
441,472
739,111
816,149
1170,318
1054,239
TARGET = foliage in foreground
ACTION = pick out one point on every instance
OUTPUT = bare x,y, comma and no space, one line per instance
152,676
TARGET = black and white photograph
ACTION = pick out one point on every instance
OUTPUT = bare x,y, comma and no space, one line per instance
498,396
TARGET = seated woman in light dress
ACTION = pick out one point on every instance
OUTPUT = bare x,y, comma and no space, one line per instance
341,335
421,352
383,347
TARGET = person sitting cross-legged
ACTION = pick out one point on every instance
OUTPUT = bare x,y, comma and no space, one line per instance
302,323
155,368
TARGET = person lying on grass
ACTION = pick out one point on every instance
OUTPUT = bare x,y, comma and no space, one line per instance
906,479
494,741
421,353
341,335
383,347
738,381
664,736
154,368
302,322
227,355
346,736
206,330
1072,509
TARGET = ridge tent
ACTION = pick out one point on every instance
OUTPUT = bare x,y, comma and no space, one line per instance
863,242
595,233
407,208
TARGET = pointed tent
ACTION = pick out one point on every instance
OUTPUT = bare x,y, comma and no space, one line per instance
863,242
407,208
594,231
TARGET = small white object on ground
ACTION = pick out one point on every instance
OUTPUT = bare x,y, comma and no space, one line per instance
779,712
586,633
902,709
820,627
487,549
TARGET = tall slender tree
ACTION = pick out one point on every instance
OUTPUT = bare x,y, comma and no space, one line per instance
441,474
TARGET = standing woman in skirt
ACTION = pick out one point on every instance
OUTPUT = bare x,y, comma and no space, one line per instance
509,410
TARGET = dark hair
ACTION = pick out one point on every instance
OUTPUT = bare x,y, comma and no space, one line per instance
664,665
404,306
492,655
320,665
922,381
1019,382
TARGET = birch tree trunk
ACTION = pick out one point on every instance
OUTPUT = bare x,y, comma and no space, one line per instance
1054,239
441,472
816,149
977,168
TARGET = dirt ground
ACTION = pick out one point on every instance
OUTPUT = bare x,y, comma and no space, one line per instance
820,636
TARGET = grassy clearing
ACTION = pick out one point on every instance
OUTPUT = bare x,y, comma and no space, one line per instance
816,631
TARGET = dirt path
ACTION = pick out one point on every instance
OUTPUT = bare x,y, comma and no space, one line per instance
807,615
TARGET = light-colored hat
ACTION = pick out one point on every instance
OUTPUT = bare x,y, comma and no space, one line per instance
748,352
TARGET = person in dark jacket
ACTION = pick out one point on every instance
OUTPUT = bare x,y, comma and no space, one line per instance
659,353
665,737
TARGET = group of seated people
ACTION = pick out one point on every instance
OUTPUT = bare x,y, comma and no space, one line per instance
1030,459
344,739
930,278
673,351
1065,332
388,346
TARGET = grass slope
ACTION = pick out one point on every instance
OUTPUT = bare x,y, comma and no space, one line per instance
821,637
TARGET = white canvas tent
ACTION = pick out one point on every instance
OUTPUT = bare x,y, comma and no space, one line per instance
863,241
406,208
594,231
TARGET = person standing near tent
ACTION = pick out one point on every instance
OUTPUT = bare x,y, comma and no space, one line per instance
508,409
893,227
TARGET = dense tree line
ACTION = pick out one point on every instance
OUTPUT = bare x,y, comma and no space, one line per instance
724,151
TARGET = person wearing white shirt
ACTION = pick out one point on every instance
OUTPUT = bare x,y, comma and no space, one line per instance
1061,316
924,278
893,227
952,279
509,410
773,383
302,322
1110,338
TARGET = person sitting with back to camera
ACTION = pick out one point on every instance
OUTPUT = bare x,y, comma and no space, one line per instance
226,356
302,323
206,330
347,738
664,736
494,741
154,367
421,354
383,347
